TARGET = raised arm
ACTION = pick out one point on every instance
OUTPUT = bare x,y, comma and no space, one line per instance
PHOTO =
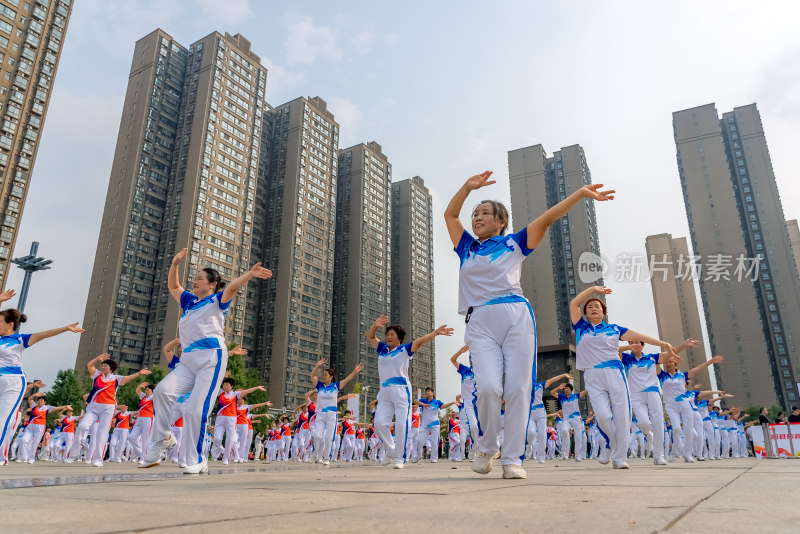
441,331
256,271
452,214
632,335
260,404
251,390
555,379
709,394
351,376
173,282
556,390
446,406
715,359
313,374
91,367
141,372
37,337
373,330
35,384
575,311
169,348
454,357
538,227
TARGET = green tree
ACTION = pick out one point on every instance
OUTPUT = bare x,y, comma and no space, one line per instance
66,389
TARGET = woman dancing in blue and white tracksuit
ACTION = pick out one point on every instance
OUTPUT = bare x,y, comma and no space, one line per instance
604,375
12,379
326,414
501,332
202,365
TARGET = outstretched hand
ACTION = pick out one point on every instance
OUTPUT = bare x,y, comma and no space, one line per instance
444,331
602,289
75,328
8,294
717,359
180,256
479,180
380,321
260,272
593,191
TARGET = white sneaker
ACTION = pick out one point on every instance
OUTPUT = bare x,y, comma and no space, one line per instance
689,460
398,465
196,469
483,462
621,465
414,460
157,450
432,461
660,460
386,460
97,464
224,461
30,461
514,471
68,460
701,459
326,462
578,459
605,456
182,465
541,461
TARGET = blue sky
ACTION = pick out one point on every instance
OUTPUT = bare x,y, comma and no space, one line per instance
447,88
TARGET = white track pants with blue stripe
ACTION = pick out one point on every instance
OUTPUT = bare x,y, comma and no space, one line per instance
681,416
502,341
394,401
200,372
12,386
649,412
324,434
608,393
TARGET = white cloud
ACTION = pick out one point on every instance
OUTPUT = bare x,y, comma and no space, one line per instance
306,42
228,13
282,83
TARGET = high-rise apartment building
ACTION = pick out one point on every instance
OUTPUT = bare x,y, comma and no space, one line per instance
675,300
362,261
735,215
294,318
31,40
184,174
794,240
550,278
412,272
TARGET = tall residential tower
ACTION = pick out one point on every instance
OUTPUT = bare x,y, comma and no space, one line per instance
550,280
362,261
749,286
31,40
184,175
412,272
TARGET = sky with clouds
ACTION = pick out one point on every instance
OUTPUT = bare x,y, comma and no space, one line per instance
447,88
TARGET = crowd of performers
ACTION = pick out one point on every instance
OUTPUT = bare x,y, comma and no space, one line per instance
195,413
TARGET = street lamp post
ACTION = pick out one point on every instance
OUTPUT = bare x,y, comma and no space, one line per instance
30,264
365,389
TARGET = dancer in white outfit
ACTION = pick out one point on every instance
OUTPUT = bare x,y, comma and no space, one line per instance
678,405
501,331
537,426
394,397
641,371
572,419
12,379
327,397
203,361
604,375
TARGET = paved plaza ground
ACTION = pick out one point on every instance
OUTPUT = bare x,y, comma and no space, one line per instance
742,495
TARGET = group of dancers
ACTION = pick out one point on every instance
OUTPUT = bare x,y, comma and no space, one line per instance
501,412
